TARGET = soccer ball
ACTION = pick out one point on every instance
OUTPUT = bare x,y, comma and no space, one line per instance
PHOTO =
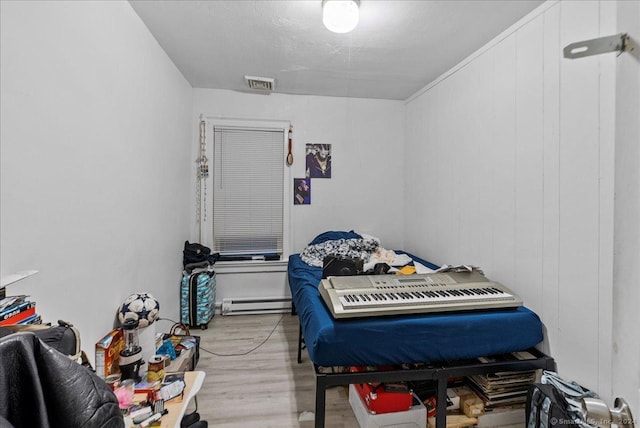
142,307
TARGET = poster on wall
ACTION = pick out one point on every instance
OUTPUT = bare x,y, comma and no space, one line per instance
301,191
318,160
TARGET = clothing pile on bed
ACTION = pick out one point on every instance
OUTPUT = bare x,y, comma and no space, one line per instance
364,247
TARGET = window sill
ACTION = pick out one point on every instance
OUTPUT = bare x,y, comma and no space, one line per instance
249,266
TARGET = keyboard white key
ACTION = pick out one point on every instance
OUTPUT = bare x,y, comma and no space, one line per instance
359,300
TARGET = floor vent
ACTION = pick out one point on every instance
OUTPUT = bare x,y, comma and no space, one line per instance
255,305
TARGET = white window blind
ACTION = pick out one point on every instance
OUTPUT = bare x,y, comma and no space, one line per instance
248,168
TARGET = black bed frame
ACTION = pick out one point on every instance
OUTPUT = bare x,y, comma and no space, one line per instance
438,372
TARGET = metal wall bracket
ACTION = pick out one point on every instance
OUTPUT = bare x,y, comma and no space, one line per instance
617,43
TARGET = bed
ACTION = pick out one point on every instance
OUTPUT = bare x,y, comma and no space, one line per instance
443,344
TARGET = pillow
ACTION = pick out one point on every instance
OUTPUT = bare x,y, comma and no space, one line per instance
334,235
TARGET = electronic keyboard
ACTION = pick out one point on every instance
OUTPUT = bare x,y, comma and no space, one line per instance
376,295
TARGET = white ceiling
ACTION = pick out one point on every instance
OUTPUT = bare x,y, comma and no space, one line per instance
397,48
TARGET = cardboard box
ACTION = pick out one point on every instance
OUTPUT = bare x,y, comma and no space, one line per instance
415,417
503,416
464,392
108,353
470,404
473,407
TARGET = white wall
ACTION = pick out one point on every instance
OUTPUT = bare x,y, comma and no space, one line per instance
510,166
364,193
626,293
95,140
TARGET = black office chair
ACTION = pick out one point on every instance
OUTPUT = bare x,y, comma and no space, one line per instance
44,388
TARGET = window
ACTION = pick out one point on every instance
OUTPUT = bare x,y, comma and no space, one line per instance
249,196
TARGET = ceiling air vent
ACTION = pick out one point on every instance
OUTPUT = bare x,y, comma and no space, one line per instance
264,84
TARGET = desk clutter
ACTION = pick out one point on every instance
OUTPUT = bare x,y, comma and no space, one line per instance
143,384
143,403
176,351
163,403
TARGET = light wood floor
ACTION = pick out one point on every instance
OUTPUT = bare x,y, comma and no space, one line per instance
267,387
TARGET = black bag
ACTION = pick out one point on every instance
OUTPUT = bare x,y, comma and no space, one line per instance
177,333
556,402
547,407
197,253
341,266
64,338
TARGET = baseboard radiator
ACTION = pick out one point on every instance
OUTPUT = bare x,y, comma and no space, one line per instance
255,305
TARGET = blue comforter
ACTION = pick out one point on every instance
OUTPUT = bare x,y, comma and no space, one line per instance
436,337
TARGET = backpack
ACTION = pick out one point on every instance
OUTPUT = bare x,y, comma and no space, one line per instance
195,253
556,402
546,407
64,338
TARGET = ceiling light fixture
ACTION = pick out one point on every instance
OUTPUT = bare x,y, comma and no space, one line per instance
340,16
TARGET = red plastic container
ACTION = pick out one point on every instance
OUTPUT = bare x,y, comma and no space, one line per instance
378,400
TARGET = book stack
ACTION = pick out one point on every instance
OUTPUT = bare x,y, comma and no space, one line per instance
502,389
18,310
506,388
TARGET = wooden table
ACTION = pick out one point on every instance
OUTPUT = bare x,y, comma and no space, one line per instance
193,381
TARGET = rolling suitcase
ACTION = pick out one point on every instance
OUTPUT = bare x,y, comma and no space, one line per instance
197,297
